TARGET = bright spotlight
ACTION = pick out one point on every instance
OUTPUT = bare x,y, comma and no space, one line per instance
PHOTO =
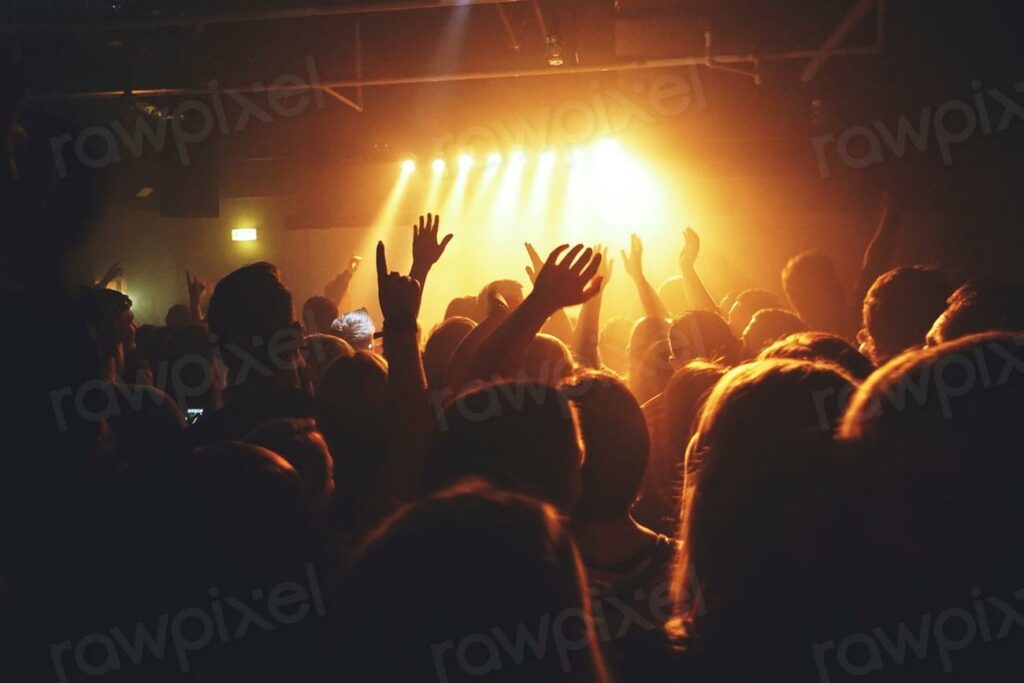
493,159
465,162
243,235
517,157
547,158
438,165
408,166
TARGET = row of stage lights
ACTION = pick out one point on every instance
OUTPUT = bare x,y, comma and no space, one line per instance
466,162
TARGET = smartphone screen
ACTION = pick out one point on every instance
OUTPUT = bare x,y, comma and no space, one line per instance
193,414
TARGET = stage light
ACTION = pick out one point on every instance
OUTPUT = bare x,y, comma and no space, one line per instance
493,159
547,158
243,235
408,166
517,157
465,162
438,165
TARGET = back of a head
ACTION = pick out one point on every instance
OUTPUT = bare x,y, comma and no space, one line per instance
703,335
356,328
614,340
813,288
938,438
321,350
177,315
900,308
759,527
673,294
351,411
318,313
440,346
769,325
304,448
521,436
980,305
746,304
546,360
509,290
649,378
616,442
685,394
455,571
463,307
248,309
646,332
820,346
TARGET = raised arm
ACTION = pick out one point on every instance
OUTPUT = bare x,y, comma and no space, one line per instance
113,272
633,262
335,289
195,297
426,250
408,401
696,292
570,281
878,256
588,329
558,325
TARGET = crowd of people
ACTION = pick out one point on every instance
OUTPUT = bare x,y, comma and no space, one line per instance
821,486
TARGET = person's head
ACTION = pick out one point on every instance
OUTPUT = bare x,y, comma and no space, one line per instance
177,315
814,291
440,346
760,497
685,396
467,561
546,360
769,325
520,436
463,307
673,294
703,335
646,332
900,308
937,437
351,410
320,350
509,290
356,328
819,346
194,381
613,342
649,378
303,447
250,313
116,325
746,304
317,314
980,305
616,442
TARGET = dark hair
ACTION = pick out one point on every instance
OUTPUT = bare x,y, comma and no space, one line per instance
440,346
318,313
746,304
813,288
759,503
521,436
704,335
820,346
615,440
463,306
460,567
980,305
304,448
900,308
769,325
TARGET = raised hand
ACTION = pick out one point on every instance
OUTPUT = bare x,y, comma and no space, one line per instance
426,250
567,282
605,271
633,261
691,248
113,272
195,286
535,262
399,295
336,288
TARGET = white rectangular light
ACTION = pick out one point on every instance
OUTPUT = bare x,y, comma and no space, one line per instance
243,235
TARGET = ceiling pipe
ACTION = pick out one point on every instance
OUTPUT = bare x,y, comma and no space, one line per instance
195,20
